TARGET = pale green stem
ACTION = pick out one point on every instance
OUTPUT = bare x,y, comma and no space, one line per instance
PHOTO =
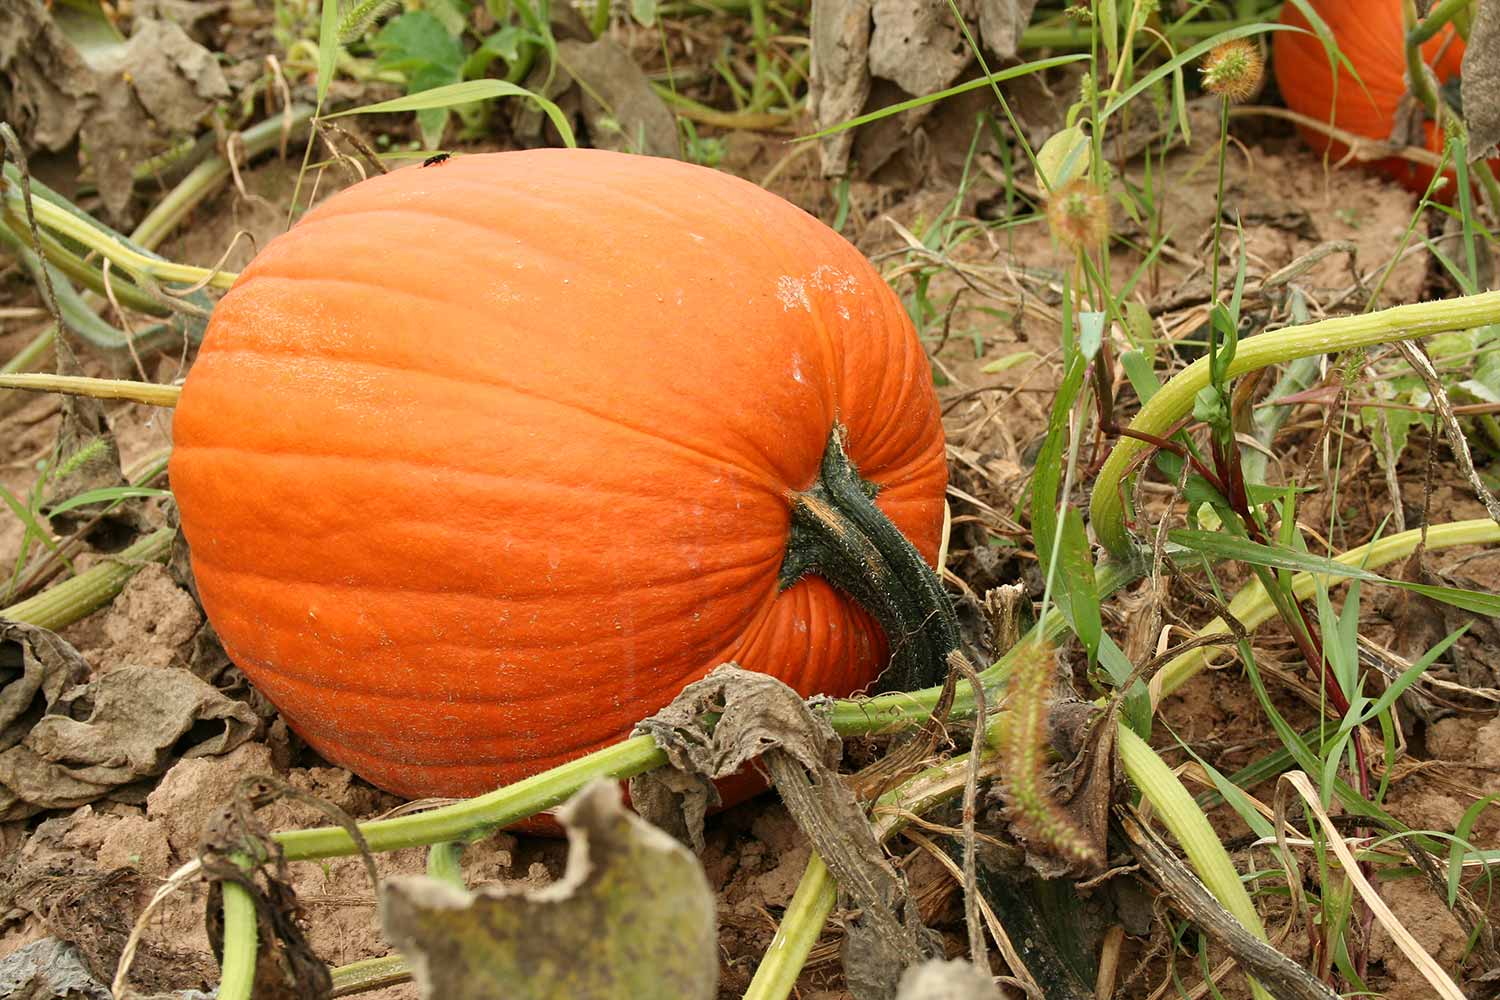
237,974
357,977
204,179
1418,76
501,807
445,863
90,590
150,393
801,926
1251,606
1175,399
135,263
1181,815
1441,14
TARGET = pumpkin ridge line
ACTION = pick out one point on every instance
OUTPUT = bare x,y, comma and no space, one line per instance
586,190
415,462
359,218
668,689
693,577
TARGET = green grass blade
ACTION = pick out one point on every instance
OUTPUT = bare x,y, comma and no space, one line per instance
469,92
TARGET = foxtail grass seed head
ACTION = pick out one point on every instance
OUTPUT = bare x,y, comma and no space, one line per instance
1078,215
1233,70
1034,814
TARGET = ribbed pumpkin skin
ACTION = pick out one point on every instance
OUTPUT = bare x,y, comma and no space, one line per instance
481,462
1371,35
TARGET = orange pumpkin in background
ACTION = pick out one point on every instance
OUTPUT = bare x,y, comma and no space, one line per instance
1371,35
482,462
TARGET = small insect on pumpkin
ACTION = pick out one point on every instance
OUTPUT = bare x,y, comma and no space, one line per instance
480,466
436,158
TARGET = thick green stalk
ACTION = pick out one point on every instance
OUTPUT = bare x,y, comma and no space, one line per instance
91,235
1418,76
369,974
1078,37
95,587
150,393
1175,399
838,533
801,926
499,808
1440,15
237,974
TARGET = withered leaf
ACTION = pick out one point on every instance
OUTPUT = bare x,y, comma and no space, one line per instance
1479,87
95,737
632,916
940,979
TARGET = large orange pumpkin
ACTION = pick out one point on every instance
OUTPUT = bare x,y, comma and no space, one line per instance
1371,35
481,462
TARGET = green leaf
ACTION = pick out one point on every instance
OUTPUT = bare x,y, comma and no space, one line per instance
1064,156
963,88
328,47
468,92
1007,362
108,494
1221,546
1090,333
417,41
1141,374
504,44
644,12
1076,576
453,14
1460,844
1047,478
1184,58
423,48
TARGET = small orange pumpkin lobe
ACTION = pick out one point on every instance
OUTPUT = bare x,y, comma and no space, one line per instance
480,465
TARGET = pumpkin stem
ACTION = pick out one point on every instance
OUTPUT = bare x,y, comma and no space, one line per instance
839,534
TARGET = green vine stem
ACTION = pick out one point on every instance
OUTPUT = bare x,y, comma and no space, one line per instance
95,587
801,926
138,265
493,810
1441,14
1251,606
1175,399
1418,77
204,179
1181,815
1079,36
504,806
75,269
370,974
237,972
150,393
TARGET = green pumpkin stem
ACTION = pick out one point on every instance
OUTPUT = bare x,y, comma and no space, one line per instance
839,534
